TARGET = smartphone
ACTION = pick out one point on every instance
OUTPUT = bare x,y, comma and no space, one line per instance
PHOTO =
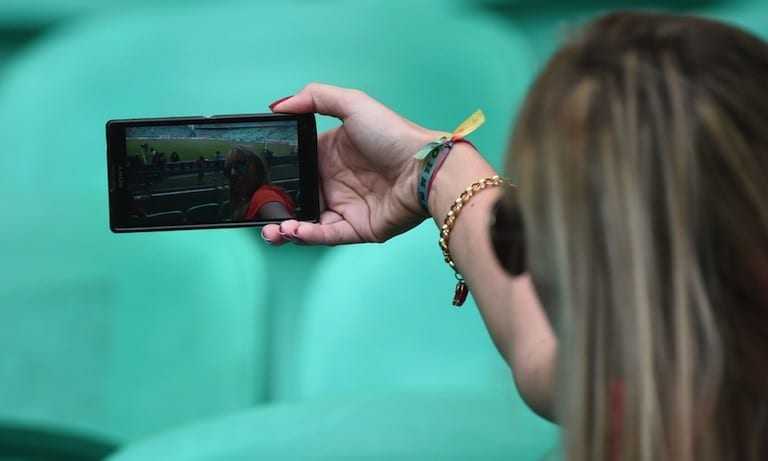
211,172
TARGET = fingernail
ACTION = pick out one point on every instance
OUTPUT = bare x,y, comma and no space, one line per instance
264,237
272,106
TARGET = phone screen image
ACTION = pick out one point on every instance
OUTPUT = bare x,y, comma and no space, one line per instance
202,174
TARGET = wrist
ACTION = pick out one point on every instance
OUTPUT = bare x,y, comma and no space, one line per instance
417,139
463,166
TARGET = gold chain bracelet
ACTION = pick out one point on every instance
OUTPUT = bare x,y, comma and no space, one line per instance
460,295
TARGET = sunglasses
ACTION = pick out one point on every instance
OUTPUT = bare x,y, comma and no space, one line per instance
507,234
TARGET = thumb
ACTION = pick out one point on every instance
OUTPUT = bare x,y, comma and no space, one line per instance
320,98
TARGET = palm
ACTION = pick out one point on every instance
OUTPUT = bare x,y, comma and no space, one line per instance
357,182
367,174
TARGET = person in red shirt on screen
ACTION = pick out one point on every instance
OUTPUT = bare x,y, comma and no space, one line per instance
251,195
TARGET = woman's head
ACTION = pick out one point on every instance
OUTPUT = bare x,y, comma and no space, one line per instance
246,172
642,157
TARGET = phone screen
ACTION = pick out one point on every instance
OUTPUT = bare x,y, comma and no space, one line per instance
203,172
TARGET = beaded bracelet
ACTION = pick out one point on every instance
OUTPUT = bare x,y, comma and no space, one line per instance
460,294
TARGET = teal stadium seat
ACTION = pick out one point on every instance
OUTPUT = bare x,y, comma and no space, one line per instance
30,14
209,344
751,15
147,332
374,333
411,426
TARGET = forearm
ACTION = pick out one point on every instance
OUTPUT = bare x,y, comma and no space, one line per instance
509,306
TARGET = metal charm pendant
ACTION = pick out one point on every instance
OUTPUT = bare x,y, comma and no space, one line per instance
460,295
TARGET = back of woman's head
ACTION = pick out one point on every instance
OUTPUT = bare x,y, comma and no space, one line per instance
642,153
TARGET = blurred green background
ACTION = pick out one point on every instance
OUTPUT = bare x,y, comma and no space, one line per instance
209,344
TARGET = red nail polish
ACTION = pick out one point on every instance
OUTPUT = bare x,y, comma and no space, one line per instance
272,106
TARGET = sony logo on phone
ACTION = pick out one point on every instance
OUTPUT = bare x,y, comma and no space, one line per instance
120,177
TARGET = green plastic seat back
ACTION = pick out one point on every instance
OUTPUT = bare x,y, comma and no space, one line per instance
130,334
403,426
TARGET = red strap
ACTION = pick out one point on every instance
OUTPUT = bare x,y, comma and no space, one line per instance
616,420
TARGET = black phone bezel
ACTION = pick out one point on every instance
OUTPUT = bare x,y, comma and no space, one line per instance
307,153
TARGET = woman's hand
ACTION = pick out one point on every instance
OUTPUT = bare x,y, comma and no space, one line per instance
368,175
368,178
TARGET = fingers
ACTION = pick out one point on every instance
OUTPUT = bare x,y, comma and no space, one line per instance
332,230
272,235
322,99
279,234
322,234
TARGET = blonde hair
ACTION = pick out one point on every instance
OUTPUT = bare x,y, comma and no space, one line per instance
642,157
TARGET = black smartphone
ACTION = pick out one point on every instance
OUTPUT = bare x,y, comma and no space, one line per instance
211,172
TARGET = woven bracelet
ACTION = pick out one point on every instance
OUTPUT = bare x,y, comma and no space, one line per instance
430,153
431,165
